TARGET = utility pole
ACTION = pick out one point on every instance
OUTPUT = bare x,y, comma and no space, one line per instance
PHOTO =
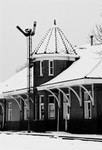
29,33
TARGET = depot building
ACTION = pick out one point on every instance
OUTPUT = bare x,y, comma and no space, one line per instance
66,92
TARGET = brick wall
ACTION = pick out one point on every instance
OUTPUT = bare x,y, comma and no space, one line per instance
98,98
59,66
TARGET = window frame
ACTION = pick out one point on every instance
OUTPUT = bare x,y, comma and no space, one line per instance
51,67
25,112
9,111
66,107
87,108
51,104
41,104
66,111
35,110
41,67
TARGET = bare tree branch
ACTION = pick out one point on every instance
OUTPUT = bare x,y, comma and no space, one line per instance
97,34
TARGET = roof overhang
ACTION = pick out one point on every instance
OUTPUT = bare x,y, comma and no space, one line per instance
55,56
76,82
14,92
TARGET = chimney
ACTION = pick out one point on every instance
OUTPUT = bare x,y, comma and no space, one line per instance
91,38
54,22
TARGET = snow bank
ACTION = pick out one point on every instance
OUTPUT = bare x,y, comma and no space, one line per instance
28,142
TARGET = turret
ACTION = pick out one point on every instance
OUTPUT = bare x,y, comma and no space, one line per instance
53,54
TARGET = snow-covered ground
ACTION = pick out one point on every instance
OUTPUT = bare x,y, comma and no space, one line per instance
15,141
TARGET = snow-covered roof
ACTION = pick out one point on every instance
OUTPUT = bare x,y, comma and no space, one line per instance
54,42
88,66
55,56
16,82
83,49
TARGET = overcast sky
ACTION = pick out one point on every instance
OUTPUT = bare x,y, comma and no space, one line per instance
76,18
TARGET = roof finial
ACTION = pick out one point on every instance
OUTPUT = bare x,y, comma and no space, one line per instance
54,22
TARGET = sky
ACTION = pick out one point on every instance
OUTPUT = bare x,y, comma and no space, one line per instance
76,18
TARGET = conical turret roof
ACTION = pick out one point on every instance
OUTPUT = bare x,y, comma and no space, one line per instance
54,41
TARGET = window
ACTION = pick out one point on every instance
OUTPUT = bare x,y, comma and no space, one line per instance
35,108
66,111
10,111
41,109
51,67
25,112
87,106
66,108
41,68
64,98
51,107
86,96
87,110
